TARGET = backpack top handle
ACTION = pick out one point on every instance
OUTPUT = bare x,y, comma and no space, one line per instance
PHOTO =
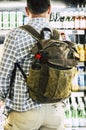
42,32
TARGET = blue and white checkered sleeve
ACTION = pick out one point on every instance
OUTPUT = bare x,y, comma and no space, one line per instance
7,64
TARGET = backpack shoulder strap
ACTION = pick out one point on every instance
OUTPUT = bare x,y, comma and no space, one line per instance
34,33
31,31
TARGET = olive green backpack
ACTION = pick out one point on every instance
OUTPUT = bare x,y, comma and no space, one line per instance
53,67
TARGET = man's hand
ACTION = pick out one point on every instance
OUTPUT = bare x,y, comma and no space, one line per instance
1,103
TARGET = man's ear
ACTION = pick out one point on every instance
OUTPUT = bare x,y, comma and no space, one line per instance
49,9
27,11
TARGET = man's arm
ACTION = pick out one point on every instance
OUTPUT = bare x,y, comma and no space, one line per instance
7,65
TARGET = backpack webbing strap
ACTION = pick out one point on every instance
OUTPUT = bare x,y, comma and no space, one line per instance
12,80
21,70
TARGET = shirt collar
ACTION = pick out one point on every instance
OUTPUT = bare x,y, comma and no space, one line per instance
38,20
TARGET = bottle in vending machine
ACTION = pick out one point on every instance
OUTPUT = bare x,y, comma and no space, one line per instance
0,19
68,115
81,77
71,20
75,86
19,18
81,112
25,20
6,20
82,20
13,19
77,20
74,109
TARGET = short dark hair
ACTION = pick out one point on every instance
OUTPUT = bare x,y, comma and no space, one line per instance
38,6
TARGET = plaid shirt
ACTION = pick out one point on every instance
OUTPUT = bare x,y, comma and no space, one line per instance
17,48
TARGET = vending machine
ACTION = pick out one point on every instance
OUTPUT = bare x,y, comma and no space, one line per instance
69,17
